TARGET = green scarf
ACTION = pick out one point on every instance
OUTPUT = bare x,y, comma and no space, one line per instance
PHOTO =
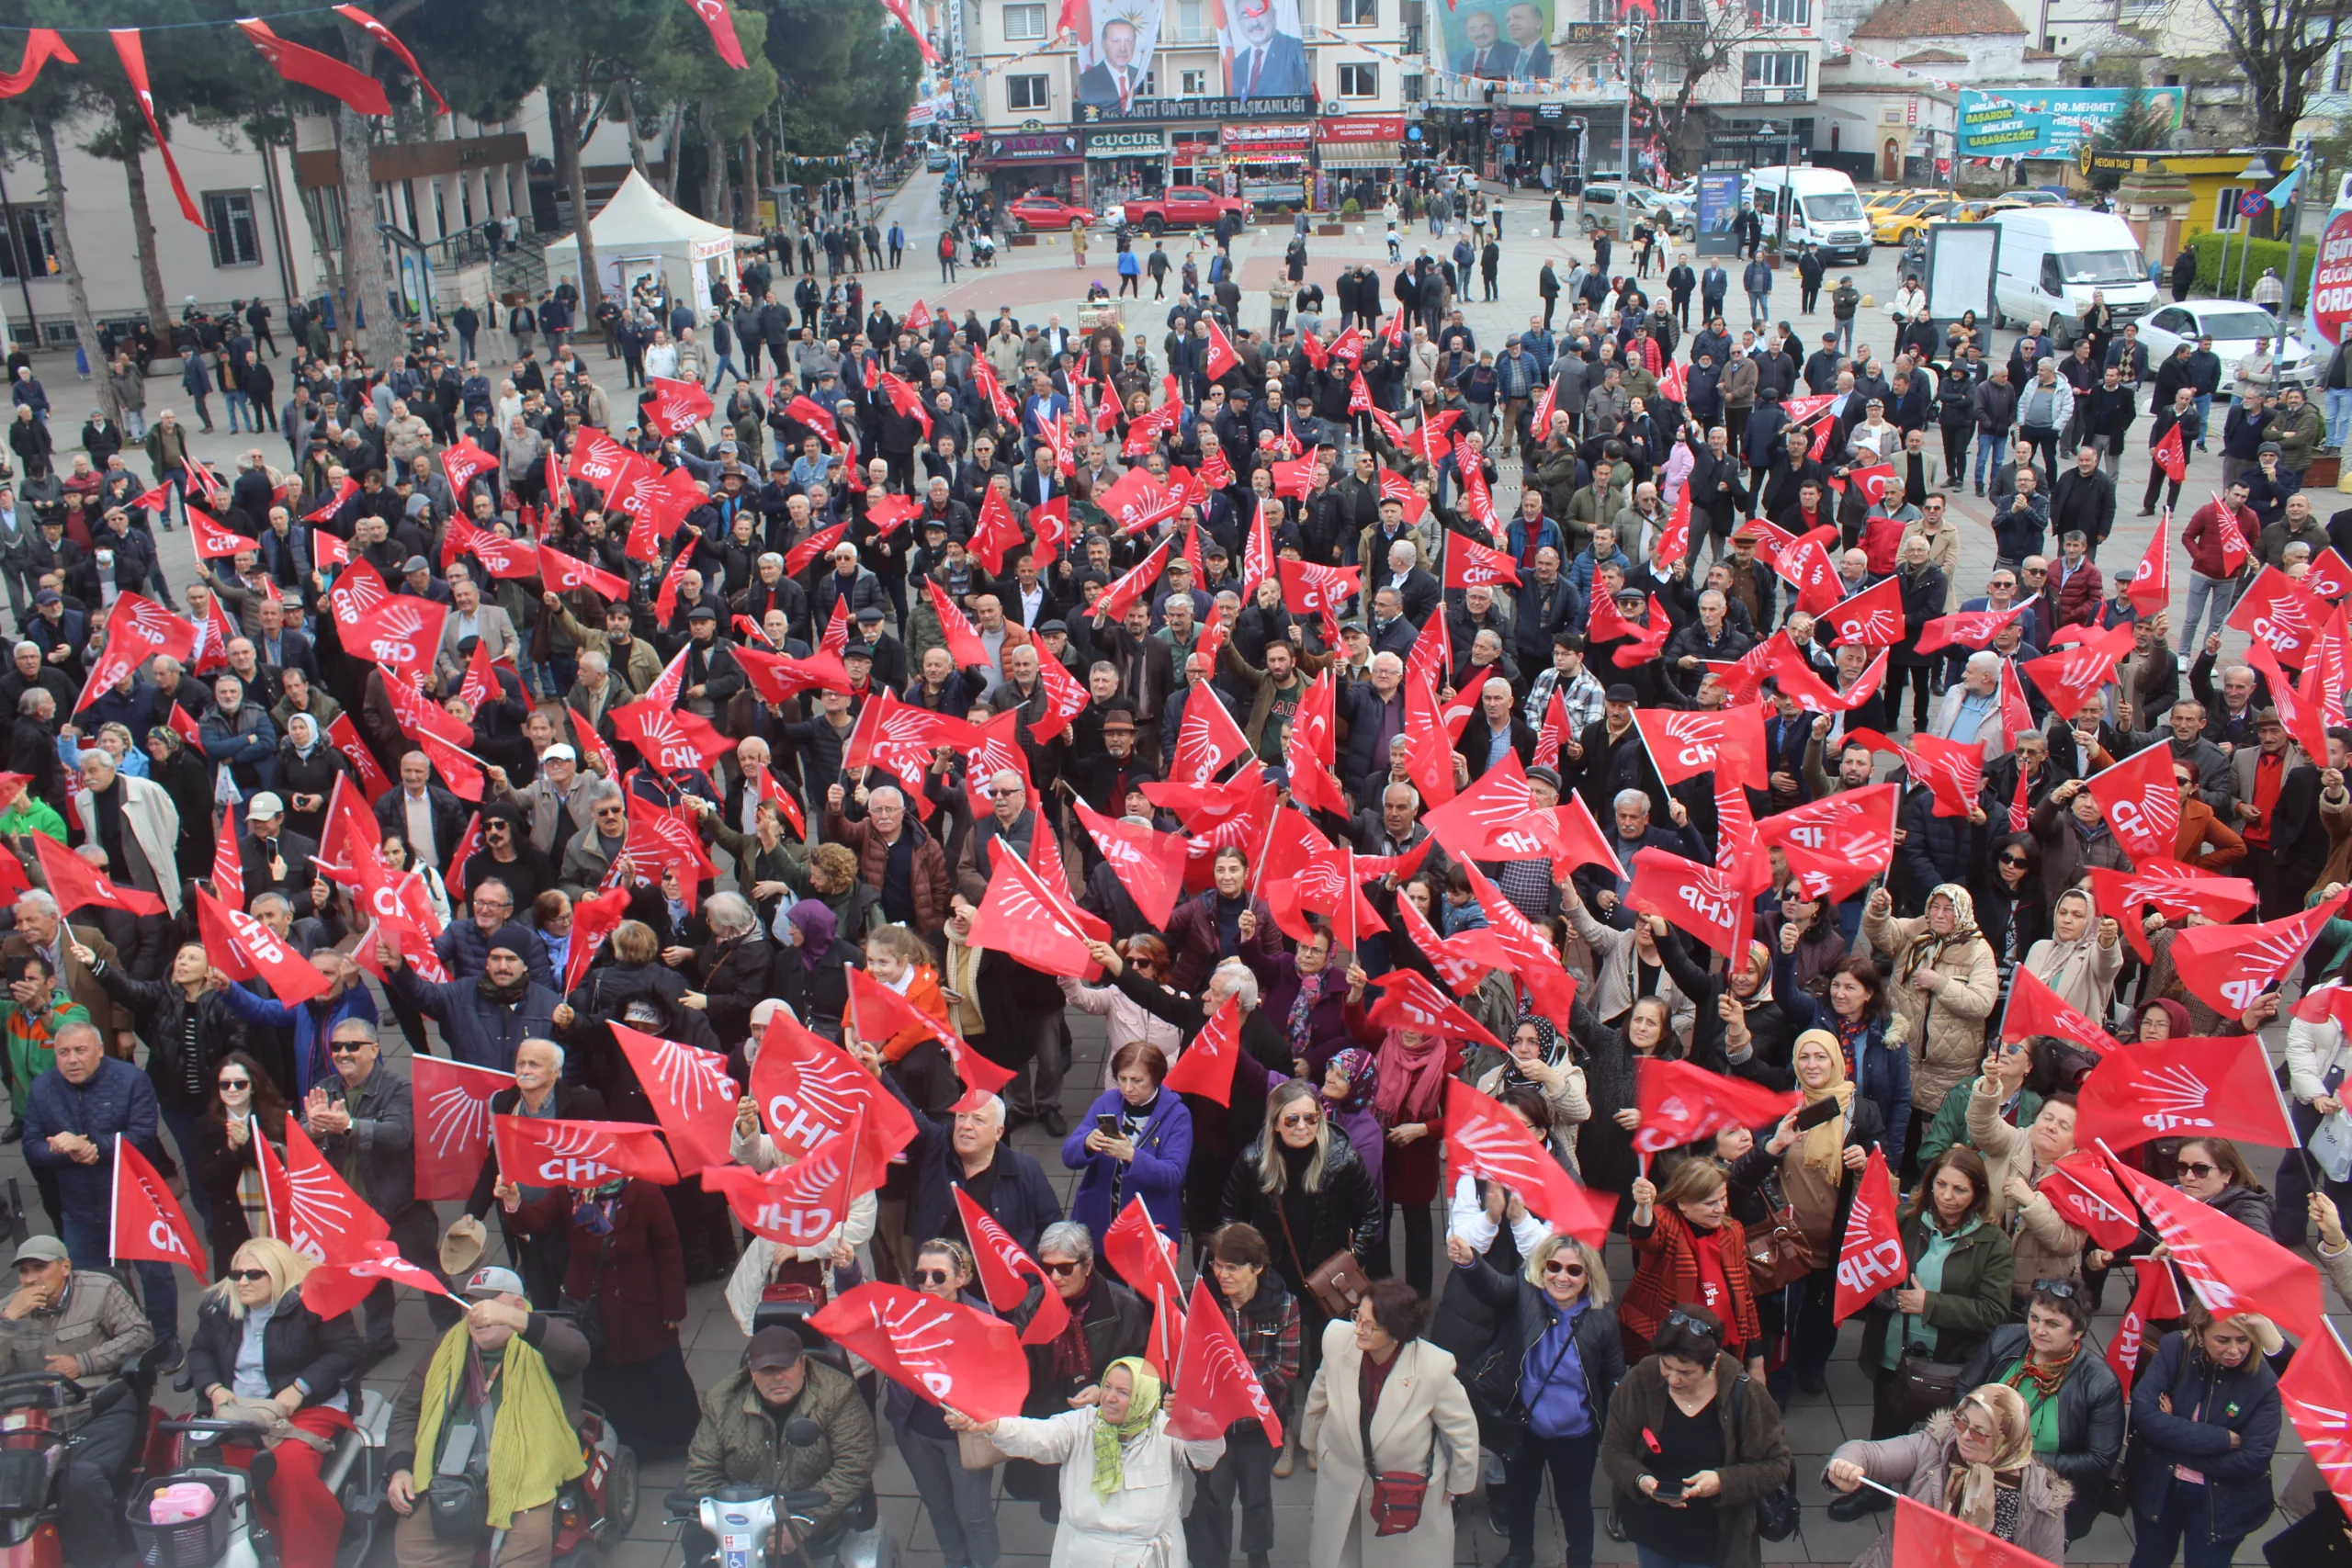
1110,1441
533,1450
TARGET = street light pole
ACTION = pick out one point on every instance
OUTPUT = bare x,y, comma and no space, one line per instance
2306,171
1626,142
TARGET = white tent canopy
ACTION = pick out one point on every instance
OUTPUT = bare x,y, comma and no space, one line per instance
638,233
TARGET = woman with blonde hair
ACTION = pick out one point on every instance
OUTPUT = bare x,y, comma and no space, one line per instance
1975,1463
1944,983
258,1346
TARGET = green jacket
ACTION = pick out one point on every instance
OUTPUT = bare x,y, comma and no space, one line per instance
1951,1125
1974,1299
31,814
30,1044
739,1442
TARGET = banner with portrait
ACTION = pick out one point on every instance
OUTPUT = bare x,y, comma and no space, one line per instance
1265,50
1114,56
1500,40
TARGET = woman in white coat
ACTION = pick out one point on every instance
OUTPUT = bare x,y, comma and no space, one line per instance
1420,1424
1125,1481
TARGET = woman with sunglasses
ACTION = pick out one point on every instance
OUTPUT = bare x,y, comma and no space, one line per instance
1264,1318
1942,987
2081,956
223,1167
1303,1188
1691,1444
961,1503
1306,993
1806,929
1541,1389
257,1342
2011,910
1976,1463
2203,840
2213,1172
2074,1406
2205,1415
1129,1024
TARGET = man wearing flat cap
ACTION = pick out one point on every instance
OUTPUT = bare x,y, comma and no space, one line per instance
736,1442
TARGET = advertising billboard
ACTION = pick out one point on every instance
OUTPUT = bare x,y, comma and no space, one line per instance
2047,122
1501,40
1719,193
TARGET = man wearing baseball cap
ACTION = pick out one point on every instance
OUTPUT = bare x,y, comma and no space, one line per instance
740,1440
79,1325
507,1375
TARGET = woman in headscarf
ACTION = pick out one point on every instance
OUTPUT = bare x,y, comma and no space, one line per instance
1855,1014
1944,986
1123,1496
189,783
2081,956
1813,1172
1542,1063
1350,1081
811,971
1975,1463
308,765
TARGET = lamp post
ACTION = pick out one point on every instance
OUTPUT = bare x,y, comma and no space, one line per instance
1625,138
2258,172
2306,171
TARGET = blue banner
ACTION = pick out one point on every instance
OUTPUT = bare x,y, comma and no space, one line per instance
1718,205
2039,122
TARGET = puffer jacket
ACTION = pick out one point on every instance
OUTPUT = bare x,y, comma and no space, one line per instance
2090,1418
739,1442
1346,1211
2208,1403
1916,1462
295,1343
1945,1028
2046,1246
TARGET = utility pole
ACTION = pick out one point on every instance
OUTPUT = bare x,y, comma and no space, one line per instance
2306,171
1625,140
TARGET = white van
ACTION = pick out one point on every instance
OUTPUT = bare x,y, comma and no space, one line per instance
1819,207
2054,259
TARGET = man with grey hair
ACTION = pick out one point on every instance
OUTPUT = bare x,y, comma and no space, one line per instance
1494,731
540,1088
969,1151
1417,591
730,970
135,822
1604,891
1971,711
590,853
33,746
1009,817
40,929
897,856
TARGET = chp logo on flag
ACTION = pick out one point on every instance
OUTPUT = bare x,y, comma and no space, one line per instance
395,635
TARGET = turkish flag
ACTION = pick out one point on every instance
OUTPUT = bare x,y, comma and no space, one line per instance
693,1096
1003,1264
1806,568
2072,676
1026,917
2086,1197
1221,357
2184,1088
1692,897
1872,618
2231,1268
451,1103
941,1352
883,1014
677,406
76,884
245,949
2316,1393
800,1204
2156,1299
2172,887
1144,1257
539,1152
1482,1138
144,1221
1870,1256
2280,614
1927,1537
1050,520
212,541
1674,539
1215,1384
1970,628
2150,588
1408,1000
2171,454
2034,1008
2230,966
1685,742
1680,1104
312,1208
561,574
333,1289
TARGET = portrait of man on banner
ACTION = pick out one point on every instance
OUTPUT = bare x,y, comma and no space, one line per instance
1265,56
1500,41
1115,61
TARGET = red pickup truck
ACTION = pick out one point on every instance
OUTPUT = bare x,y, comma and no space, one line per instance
1182,207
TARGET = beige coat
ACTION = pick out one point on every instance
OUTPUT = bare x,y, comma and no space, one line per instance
1943,554
1945,1029
1421,1401
2046,1246
155,823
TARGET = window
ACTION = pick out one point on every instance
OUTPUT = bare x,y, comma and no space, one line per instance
1025,21
1359,81
26,242
1192,84
1775,70
2226,210
1782,13
1359,13
2340,73
1186,21
235,240
1026,93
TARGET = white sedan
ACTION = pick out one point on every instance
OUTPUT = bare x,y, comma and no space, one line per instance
2234,326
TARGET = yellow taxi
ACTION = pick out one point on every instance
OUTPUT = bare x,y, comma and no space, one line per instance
1892,226
1887,197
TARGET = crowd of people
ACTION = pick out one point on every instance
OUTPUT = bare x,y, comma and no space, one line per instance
1287,608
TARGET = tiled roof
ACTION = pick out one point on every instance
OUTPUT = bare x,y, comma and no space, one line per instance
1939,18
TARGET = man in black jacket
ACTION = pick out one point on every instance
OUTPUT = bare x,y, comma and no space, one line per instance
2085,499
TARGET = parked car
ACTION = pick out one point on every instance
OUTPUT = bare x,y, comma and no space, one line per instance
2235,325
938,158
1046,212
1601,212
1895,225
1880,200
1180,207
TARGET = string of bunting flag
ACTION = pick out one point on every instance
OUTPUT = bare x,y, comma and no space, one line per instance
1946,84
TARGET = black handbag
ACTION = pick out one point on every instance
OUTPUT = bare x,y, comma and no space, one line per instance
1919,1387
1777,1511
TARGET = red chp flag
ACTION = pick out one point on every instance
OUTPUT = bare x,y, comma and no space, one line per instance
312,1209
1216,1385
1024,916
333,1289
76,884
1149,864
1483,1139
2316,1393
693,1096
1469,564
677,406
941,1352
2086,1197
809,1090
2172,887
245,949
1145,1259
1680,1104
452,1119
2034,1008
1873,618
133,53
2150,588
145,1222
1206,1067
1408,1000
800,1204
1837,844
1221,357
2071,676
2182,1089
1004,1266
2154,1299
1692,897
579,1154
2140,801
2280,614
1684,743
2231,1268
883,1014
2232,965
1206,741
1870,1256
1927,1537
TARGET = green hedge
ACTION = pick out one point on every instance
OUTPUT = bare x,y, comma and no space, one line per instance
2266,252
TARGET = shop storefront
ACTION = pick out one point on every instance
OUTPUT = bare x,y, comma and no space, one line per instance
1195,158
1556,138
1049,161
1124,163
1265,162
1356,154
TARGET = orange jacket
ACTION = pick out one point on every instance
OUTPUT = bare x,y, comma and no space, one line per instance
2199,826
924,993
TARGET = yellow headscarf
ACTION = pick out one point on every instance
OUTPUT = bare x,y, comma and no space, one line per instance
1824,1147
1969,1488
1110,1442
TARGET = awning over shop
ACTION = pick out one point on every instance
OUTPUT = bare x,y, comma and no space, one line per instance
1359,155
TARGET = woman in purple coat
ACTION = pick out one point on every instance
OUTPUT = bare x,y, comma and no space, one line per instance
1135,1142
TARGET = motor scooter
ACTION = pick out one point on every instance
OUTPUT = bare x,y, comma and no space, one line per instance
170,1531
43,1416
